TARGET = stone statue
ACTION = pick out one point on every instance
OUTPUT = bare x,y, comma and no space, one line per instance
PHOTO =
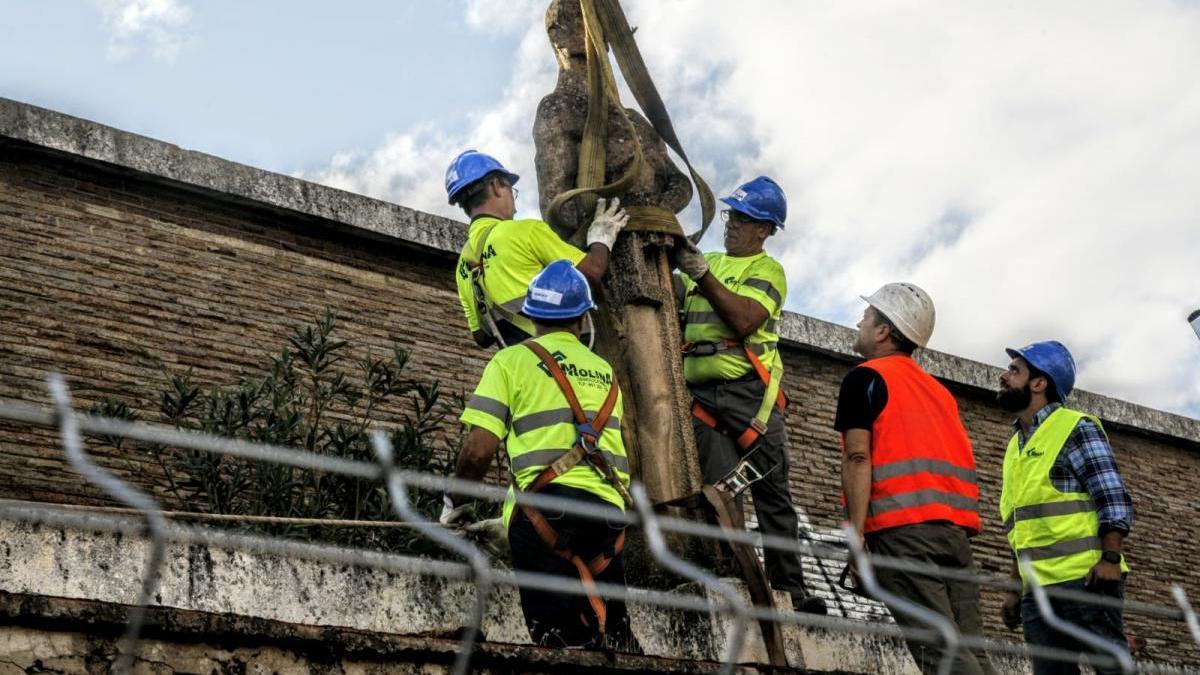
637,329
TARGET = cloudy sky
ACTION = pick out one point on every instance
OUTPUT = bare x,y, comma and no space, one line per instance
1034,166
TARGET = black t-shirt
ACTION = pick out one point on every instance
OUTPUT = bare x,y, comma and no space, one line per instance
862,398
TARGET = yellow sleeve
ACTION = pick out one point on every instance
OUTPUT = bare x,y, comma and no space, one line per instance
489,405
466,295
766,283
545,244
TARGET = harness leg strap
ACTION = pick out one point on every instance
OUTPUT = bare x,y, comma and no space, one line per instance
586,571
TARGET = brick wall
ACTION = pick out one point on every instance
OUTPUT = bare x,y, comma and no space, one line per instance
100,264
98,267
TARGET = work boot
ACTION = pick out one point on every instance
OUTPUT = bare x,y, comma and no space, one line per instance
808,604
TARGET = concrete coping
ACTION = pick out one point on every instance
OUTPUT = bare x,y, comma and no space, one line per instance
375,218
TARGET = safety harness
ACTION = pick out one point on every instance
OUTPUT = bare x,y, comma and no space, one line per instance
487,312
585,449
772,397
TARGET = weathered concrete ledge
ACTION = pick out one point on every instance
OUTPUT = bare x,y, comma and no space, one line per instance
60,635
42,562
163,161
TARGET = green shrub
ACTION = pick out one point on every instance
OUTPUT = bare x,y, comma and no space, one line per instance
316,397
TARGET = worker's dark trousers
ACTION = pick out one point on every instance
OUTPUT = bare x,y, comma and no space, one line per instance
943,544
1106,622
734,403
554,619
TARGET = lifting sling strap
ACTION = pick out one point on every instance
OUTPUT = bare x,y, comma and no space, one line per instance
718,503
718,500
773,396
585,449
605,26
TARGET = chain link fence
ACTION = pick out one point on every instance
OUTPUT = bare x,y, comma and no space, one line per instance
143,516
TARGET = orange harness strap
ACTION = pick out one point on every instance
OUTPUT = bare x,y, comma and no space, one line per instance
589,432
751,434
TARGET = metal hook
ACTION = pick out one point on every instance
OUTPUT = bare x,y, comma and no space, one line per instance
1119,652
658,547
480,567
155,522
1189,615
866,573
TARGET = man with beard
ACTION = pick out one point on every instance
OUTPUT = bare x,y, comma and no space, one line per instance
1063,502
908,471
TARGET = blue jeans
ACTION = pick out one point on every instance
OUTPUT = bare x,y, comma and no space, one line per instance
1105,622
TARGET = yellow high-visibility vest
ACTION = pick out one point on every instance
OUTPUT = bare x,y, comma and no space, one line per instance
758,277
514,252
1058,531
518,400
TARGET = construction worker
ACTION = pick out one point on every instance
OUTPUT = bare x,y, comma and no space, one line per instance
731,306
908,470
533,396
502,255
1063,504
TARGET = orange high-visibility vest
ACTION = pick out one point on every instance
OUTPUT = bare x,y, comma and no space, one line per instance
922,466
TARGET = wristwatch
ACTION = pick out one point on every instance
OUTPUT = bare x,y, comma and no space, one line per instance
1113,557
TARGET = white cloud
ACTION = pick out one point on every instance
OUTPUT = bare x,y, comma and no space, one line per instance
1033,168
409,167
154,26
1035,171
490,16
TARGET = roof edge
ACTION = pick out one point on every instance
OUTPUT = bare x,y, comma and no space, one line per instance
53,130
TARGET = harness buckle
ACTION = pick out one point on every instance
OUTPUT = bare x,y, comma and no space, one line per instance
743,476
702,348
587,437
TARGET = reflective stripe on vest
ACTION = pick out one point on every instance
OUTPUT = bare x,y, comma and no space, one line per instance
545,418
1058,531
542,426
701,323
922,466
540,459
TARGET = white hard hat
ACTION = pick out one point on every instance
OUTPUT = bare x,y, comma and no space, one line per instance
907,306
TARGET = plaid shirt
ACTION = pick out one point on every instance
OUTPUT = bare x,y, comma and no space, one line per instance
1087,460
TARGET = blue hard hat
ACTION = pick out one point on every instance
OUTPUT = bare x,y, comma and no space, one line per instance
1053,359
469,167
761,199
560,291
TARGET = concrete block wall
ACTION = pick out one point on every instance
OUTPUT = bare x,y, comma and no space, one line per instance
100,261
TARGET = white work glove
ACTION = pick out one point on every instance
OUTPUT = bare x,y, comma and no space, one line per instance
492,535
690,260
451,514
609,220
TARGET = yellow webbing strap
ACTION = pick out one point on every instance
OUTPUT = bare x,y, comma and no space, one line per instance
652,219
602,88
604,25
768,402
637,76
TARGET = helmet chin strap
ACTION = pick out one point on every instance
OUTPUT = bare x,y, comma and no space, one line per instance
590,330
